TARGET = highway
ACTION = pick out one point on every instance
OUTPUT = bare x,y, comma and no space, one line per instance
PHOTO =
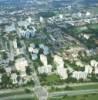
18,97
73,92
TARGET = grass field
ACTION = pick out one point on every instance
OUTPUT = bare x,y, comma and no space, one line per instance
84,87
50,80
81,87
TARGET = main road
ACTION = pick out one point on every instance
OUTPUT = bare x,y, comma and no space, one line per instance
40,92
73,93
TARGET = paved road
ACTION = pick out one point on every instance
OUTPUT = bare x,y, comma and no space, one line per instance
40,92
11,51
73,93
34,74
18,97
16,90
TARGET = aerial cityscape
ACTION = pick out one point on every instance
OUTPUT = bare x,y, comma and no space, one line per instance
48,49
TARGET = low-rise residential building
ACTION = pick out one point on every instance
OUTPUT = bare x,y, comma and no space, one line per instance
43,59
58,60
32,45
41,19
10,28
88,14
79,63
45,69
19,51
41,46
30,49
45,49
79,75
96,70
36,51
34,56
62,72
93,63
70,69
8,70
23,74
33,50
0,78
86,36
15,44
14,78
88,69
21,64
26,33
29,20
23,23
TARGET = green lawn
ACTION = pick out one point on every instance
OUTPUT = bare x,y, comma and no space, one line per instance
83,87
93,26
50,80
95,86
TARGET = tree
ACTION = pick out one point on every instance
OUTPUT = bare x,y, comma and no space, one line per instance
2,70
6,80
28,70
68,88
27,90
65,96
4,55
